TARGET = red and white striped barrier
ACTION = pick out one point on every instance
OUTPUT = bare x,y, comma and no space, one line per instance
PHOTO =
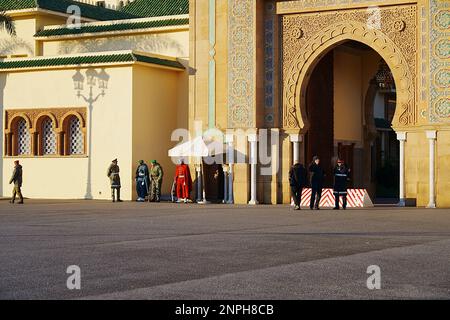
356,198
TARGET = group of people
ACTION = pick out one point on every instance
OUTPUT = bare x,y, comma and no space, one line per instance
148,181
298,181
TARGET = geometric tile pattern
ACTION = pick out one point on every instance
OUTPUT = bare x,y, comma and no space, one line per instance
48,137
439,82
24,138
76,141
269,63
241,82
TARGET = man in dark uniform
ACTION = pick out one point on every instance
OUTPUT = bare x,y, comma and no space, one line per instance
297,176
341,176
16,178
142,181
317,176
114,177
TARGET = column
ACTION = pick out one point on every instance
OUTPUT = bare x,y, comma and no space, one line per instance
229,139
431,135
198,170
253,140
401,136
225,183
295,139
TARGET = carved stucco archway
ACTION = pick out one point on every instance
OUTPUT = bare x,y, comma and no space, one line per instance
299,71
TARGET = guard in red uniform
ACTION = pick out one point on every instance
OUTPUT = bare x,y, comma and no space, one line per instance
183,181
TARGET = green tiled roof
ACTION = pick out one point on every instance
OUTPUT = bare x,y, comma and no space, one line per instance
87,10
112,27
157,8
83,60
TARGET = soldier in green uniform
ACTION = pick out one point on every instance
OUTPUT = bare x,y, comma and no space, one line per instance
156,174
114,177
16,178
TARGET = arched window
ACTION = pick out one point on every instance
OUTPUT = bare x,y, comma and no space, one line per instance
23,137
76,137
48,137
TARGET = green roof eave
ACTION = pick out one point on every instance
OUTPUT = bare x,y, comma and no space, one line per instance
107,58
157,8
87,10
116,27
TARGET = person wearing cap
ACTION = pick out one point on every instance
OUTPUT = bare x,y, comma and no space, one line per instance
142,181
297,177
156,175
316,178
341,176
183,181
114,177
16,178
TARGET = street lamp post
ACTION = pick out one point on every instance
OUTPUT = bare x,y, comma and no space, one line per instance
92,78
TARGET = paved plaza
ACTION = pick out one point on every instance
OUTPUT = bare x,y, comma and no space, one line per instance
186,251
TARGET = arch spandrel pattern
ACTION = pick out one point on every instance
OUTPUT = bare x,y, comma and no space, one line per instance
303,45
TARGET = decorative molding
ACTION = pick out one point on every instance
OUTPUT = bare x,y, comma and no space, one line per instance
241,70
289,7
269,63
396,43
33,116
439,62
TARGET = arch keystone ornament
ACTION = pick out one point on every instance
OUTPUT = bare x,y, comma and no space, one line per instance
299,68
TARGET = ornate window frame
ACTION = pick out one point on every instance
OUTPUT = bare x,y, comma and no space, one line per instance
35,119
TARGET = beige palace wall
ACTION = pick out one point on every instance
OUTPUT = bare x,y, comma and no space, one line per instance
443,169
173,43
66,177
155,108
23,42
416,167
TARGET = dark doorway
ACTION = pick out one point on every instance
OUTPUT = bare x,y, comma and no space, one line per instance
214,182
320,111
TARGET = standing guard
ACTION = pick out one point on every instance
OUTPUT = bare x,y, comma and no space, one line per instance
183,182
317,177
297,177
114,177
341,176
142,181
156,175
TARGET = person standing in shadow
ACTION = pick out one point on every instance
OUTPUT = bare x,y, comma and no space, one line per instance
317,177
297,177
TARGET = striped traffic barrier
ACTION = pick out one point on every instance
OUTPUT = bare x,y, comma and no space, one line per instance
356,198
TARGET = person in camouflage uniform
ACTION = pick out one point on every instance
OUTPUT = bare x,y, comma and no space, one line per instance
156,175
16,178
114,177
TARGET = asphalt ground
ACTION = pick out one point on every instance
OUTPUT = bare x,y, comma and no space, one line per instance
187,251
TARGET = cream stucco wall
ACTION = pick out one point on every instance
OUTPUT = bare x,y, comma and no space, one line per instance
174,43
23,42
156,100
66,177
443,169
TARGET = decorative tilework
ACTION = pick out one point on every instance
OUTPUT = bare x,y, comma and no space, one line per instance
393,37
48,137
241,82
76,137
24,138
300,5
439,106
269,64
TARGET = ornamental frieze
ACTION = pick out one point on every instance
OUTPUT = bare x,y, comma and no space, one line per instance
32,115
391,31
